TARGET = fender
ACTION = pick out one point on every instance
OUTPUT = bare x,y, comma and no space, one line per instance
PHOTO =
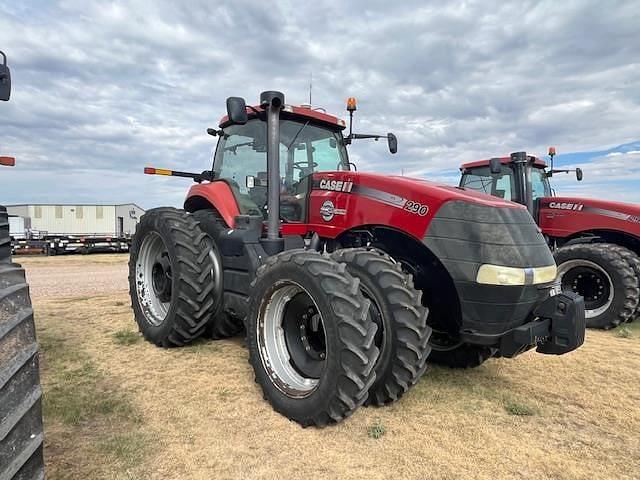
219,195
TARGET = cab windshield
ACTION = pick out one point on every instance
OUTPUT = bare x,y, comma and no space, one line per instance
305,148
503,185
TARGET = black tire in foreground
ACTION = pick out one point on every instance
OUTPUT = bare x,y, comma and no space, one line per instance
311,342
21,434
634,262
172,277
5,239
461,356
396,308
599,273
222,325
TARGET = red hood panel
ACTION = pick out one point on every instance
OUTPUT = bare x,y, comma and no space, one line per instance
345,200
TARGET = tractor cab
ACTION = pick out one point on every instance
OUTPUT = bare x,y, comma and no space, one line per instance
309,142
519,178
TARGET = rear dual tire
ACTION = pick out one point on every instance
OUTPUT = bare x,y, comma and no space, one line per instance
175,278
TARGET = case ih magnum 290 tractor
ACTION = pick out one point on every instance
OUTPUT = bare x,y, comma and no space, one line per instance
345,281
596,243
20,393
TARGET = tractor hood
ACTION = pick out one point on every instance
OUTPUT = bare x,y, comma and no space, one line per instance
438,192
566,216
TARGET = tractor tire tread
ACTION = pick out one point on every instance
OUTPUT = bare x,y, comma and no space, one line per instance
408,319
21,429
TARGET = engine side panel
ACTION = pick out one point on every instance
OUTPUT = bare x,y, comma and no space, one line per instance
565,216
340,201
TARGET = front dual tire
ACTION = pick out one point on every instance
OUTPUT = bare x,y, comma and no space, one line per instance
311,341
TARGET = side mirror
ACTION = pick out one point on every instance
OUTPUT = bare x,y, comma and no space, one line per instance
495,166
5,79
579,174
393,142
237,110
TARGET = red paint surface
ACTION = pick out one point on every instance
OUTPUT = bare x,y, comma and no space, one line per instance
504,160
566,223
218,194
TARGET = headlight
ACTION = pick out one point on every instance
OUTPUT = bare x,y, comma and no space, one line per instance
501,275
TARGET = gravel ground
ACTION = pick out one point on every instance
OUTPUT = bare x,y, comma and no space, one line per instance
67,277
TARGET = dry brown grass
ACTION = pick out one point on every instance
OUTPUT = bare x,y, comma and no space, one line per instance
201,415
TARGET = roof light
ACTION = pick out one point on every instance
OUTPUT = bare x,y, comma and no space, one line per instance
7,161
351,104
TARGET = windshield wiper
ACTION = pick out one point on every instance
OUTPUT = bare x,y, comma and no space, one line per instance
296,136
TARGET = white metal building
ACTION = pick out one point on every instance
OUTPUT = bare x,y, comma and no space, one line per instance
87,220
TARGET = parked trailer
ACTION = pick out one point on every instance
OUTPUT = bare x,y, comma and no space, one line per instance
60,245
59,229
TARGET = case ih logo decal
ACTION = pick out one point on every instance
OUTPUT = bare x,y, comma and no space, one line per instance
328,211
335,185
387,198
580,207
566,206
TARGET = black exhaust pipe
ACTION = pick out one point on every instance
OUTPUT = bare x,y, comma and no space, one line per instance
273,102
522,163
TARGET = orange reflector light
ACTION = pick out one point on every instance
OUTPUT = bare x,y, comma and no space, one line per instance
157,171
7,161
351,104
552,150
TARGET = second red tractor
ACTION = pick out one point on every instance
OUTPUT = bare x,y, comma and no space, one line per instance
596,242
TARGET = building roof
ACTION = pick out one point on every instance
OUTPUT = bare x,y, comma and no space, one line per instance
74,205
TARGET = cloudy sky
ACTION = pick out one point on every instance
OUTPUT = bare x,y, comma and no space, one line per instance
101,89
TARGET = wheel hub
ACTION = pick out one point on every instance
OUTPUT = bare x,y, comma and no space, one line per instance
589,280
292,339
304,335
161,278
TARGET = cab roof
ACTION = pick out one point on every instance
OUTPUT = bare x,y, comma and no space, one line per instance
296,111
504,160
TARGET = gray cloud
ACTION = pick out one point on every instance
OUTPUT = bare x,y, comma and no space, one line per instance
102,89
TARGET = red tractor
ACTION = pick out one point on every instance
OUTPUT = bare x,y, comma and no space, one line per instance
596,243
344,281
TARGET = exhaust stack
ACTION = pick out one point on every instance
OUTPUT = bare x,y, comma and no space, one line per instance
273,102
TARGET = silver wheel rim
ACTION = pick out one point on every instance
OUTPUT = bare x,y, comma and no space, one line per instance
272,344
565,267
154,309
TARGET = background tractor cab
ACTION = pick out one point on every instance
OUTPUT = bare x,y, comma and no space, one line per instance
519,178
596,242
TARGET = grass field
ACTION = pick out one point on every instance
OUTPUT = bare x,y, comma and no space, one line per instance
117,407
